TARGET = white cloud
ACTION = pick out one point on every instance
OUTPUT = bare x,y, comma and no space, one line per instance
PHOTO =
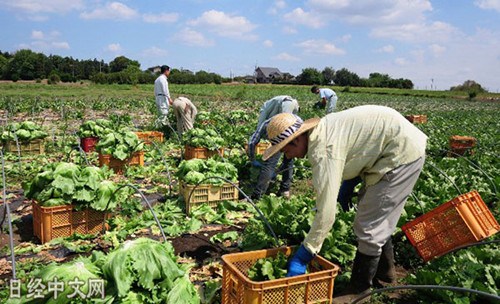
43,6
160,18
320,47
488,4
225,25
286,57
60,45
111,11
301,17
154,52
401,61
289,30
346,38
277,6
418,32
267,43
193,38
114,48
37,35
437,49
386,49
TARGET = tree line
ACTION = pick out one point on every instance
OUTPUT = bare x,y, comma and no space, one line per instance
28,65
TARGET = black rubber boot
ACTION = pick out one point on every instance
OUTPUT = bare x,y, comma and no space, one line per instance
363,272
386,271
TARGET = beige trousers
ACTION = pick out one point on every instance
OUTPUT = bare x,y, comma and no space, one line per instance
185,113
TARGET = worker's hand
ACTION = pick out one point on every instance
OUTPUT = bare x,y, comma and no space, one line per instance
346,192
298,263
257,164
319,105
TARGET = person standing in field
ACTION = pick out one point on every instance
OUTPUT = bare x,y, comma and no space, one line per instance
162,94
328,99
272,107
185,114
375,143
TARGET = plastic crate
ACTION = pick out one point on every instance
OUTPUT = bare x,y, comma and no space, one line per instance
313,287
461,145
464,220
36,146
417,119
137,159
63,221
210,194
260,147
149,136
88,143
203,153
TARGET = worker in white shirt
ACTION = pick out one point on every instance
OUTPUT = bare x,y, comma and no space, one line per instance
162,94
185,113
375,143
328,99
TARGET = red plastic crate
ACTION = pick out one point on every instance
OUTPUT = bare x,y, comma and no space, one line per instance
88,143
464,220
461,145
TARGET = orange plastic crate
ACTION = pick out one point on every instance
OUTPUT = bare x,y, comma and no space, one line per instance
149,136
36,146
313,287
209,194
416,119
88,143
260,147
63,221
137,159
461,145
464,220
203,153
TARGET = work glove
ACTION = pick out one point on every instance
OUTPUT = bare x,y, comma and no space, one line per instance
319,105
257,164
346,192
298,263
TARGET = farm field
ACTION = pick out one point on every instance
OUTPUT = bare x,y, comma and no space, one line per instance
195,243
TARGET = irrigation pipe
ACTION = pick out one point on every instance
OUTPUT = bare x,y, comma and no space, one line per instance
9,220
447,177
420,287
477,167
248,199
147,203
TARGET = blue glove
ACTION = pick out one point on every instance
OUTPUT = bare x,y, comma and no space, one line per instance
346,192
298,264
256,163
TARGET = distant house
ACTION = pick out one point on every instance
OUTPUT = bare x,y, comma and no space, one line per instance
267,75
155,69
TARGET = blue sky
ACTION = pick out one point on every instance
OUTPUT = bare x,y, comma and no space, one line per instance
433,43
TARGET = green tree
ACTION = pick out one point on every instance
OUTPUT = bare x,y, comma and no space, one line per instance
328,75
310,76
120,63
22,65
344,77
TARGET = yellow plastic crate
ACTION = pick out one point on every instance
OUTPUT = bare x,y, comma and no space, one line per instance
313,287
198,152
210,194
149,136
36,146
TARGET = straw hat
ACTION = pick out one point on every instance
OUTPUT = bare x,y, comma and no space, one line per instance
283,128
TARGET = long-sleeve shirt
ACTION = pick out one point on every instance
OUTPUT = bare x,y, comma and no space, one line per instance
256,137
161,86
365,141
331,98
277,105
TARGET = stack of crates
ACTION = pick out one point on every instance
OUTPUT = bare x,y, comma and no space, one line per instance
461,145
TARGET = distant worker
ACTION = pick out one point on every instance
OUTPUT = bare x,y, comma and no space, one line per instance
185,113
328,99
272,107
162,94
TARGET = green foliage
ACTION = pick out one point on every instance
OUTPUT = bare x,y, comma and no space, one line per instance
196,170
25,132
270,268
95,128
203,138
120,144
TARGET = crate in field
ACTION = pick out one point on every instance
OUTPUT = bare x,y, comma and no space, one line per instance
88,143
417,119
63,221
199,152
464,220
260,147
461,145
149,136
36,146
137,159
210,194
313,287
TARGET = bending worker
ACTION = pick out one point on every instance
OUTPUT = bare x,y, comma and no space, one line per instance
275,105
328,99
185,113
375,143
